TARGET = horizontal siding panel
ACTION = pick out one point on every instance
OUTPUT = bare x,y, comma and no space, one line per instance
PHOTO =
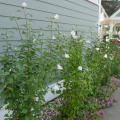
68,4
80,13
41,23
80,16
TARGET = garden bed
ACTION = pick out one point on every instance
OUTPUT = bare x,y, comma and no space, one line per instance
50,111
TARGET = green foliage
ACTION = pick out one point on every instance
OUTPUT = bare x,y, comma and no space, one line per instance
103,62
78,83
86,84
27,70
23,77
23,82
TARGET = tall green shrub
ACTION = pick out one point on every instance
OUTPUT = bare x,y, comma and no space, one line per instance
78,83
23,79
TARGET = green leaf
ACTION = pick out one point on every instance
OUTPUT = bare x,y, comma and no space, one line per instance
24,111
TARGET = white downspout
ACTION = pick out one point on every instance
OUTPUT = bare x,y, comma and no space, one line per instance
99,17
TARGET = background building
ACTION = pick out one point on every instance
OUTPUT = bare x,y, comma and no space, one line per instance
110,17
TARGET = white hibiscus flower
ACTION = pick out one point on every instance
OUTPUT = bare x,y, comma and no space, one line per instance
53,37
80,68
73,34
105,56
34,40
56,16
24,4
67,55
107,39
36,99
59,67
97,49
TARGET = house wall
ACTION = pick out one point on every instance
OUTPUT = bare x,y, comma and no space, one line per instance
95,1
80,15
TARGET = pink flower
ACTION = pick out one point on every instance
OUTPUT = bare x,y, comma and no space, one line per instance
110,102
101,113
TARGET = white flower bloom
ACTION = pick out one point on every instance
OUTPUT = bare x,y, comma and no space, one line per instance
107,39
59,67
80,68
24,4
32,109
53,37
67,55
105,56
56,16
10,70
56,88
73,33
34,41
97,49
75,37
36,99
